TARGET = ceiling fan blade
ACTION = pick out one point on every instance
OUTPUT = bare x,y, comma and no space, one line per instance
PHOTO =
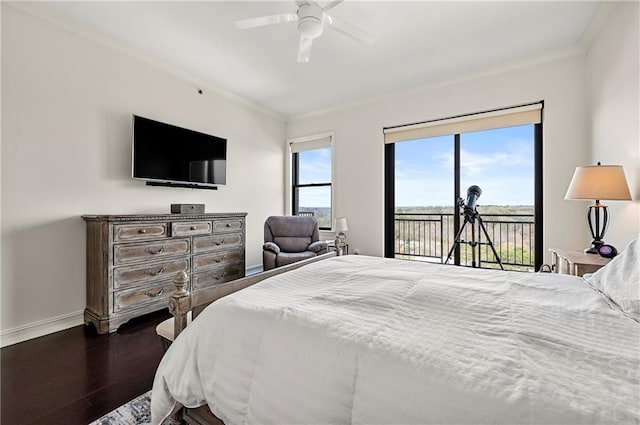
266,20
332,5
304,49
351,31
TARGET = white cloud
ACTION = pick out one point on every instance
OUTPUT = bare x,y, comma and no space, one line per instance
315,166
412,192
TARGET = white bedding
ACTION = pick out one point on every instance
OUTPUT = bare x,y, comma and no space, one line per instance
363,340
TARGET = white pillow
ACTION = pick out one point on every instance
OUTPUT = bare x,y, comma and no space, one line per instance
620,279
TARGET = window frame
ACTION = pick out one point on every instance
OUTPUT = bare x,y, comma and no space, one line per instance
293,175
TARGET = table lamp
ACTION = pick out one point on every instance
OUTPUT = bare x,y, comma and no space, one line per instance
340,226
598,182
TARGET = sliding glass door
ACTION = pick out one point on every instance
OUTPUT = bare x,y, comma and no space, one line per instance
427,180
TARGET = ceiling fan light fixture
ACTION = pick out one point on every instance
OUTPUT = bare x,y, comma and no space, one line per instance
309,27
310,20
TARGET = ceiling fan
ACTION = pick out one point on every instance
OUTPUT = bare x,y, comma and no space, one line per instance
311,19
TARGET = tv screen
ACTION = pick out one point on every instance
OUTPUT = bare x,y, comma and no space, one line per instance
164,153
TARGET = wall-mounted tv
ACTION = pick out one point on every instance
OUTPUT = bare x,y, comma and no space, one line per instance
164,154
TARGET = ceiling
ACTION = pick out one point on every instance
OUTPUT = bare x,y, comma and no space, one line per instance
419,43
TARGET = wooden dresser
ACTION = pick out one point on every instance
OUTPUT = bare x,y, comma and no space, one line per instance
133,259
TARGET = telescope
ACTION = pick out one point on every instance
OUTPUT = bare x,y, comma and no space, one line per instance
473,193
472,216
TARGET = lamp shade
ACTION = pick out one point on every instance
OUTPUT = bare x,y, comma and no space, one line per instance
341,224
599,182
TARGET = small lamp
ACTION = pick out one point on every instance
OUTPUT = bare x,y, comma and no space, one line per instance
340,226
598,182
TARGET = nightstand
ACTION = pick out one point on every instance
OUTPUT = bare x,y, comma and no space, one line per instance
331,246
575,262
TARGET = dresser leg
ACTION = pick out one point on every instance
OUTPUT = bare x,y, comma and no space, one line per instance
101,325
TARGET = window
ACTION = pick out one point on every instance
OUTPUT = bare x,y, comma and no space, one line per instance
431,169
311,178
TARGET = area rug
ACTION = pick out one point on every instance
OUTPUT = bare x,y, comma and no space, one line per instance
136,412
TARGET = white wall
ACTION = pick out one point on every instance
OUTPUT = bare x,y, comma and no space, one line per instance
613,70
359,184
67,102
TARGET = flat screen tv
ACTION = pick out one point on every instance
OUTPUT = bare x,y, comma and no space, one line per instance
164,154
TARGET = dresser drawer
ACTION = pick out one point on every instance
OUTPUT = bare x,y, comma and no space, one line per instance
127,253
217,242
203,261
185,228
137,232
130,299
217,276
149,272
228,225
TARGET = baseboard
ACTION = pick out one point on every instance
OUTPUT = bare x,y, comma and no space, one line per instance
60,323
253,270
41,328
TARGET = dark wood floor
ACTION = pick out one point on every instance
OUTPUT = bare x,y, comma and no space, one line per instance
75,376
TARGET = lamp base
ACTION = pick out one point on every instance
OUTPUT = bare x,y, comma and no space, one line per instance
340,243
595,245
596,213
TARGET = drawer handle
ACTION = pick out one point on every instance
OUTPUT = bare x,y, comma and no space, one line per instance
157,251
220,277
218,260
193,227
219,243
228,224
150,273
153,295
142,231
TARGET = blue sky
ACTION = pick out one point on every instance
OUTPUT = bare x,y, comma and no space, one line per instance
500,161
315,167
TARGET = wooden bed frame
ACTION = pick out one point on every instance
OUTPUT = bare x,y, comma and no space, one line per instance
182,302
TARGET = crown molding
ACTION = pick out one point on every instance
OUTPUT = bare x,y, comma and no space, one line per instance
558,55
595,25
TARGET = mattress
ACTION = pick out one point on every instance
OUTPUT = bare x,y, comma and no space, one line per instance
367,340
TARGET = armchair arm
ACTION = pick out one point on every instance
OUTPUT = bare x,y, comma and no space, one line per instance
270,246
317,247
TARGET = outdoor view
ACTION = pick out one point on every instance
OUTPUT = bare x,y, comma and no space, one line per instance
315,168
501,163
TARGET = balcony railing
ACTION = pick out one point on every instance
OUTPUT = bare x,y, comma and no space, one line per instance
430,236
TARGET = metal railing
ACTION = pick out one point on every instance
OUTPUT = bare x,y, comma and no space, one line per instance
430,236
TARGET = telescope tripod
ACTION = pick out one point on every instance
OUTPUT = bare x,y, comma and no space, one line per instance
471,218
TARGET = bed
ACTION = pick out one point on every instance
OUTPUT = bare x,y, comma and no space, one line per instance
358,339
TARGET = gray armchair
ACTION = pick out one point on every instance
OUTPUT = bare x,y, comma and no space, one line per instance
288,239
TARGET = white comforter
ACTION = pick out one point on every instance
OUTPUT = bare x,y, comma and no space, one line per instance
363,340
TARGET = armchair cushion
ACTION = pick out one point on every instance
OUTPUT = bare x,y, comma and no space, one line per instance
292,243
285,258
